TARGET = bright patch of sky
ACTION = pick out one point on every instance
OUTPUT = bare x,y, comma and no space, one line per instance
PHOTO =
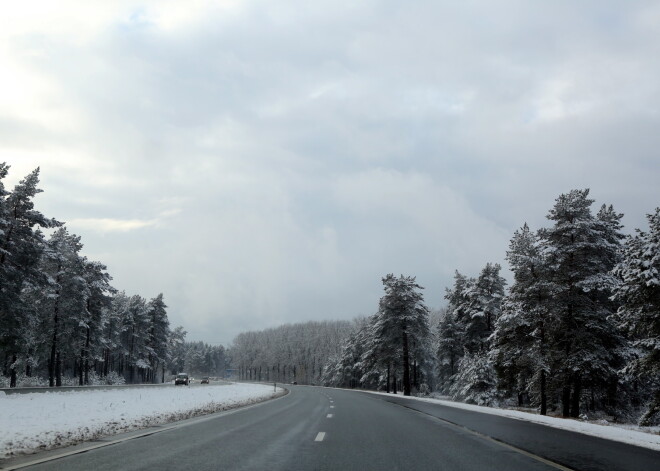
268,162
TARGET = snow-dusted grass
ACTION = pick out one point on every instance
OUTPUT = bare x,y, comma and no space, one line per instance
647,437
40,421
23,381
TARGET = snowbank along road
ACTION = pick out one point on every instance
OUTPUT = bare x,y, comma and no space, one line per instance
45,420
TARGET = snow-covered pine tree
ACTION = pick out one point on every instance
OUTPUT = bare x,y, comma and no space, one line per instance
380,361
484,300
135,327
423,363
639,313
580,250
21,244
449,350
403,320
159,329
346,368
458,301
177,351
520,340
48,293
452,340
112,332
475,382
476,305
65,298
92,327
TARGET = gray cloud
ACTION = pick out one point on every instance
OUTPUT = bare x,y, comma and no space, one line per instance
268,162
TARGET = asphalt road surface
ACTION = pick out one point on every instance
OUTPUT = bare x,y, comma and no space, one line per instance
327,429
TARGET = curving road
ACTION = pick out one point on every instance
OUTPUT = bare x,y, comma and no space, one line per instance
328,429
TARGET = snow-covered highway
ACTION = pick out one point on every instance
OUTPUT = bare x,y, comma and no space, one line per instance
329,429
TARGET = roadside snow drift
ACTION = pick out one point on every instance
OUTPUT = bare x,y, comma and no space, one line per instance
40,421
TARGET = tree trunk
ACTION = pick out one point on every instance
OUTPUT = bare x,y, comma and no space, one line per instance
106,361
131,371
612,390
88,341
566,399
58,369
28,363
12,370
406,365
415,378
575,400
80,369
54,345
387,383
593,399
544,399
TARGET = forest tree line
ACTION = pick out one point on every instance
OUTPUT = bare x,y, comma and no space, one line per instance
288,353
578,330
61,321
198,358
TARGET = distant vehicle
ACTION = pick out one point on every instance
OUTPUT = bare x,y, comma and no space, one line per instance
205,380
295,382
182,378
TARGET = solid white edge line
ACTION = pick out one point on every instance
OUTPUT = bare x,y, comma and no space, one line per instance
319,437
492,440
645,437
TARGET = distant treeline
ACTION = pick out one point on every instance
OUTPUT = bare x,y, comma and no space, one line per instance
292,352
199,359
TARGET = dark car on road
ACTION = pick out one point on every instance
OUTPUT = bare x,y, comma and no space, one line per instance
205,380
182,378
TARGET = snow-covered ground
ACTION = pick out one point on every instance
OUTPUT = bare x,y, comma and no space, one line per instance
40,421
648,438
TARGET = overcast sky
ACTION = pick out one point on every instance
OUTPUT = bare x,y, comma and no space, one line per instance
269,162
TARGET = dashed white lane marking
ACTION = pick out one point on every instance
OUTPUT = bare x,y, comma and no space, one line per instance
332,407
320,437
329,416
